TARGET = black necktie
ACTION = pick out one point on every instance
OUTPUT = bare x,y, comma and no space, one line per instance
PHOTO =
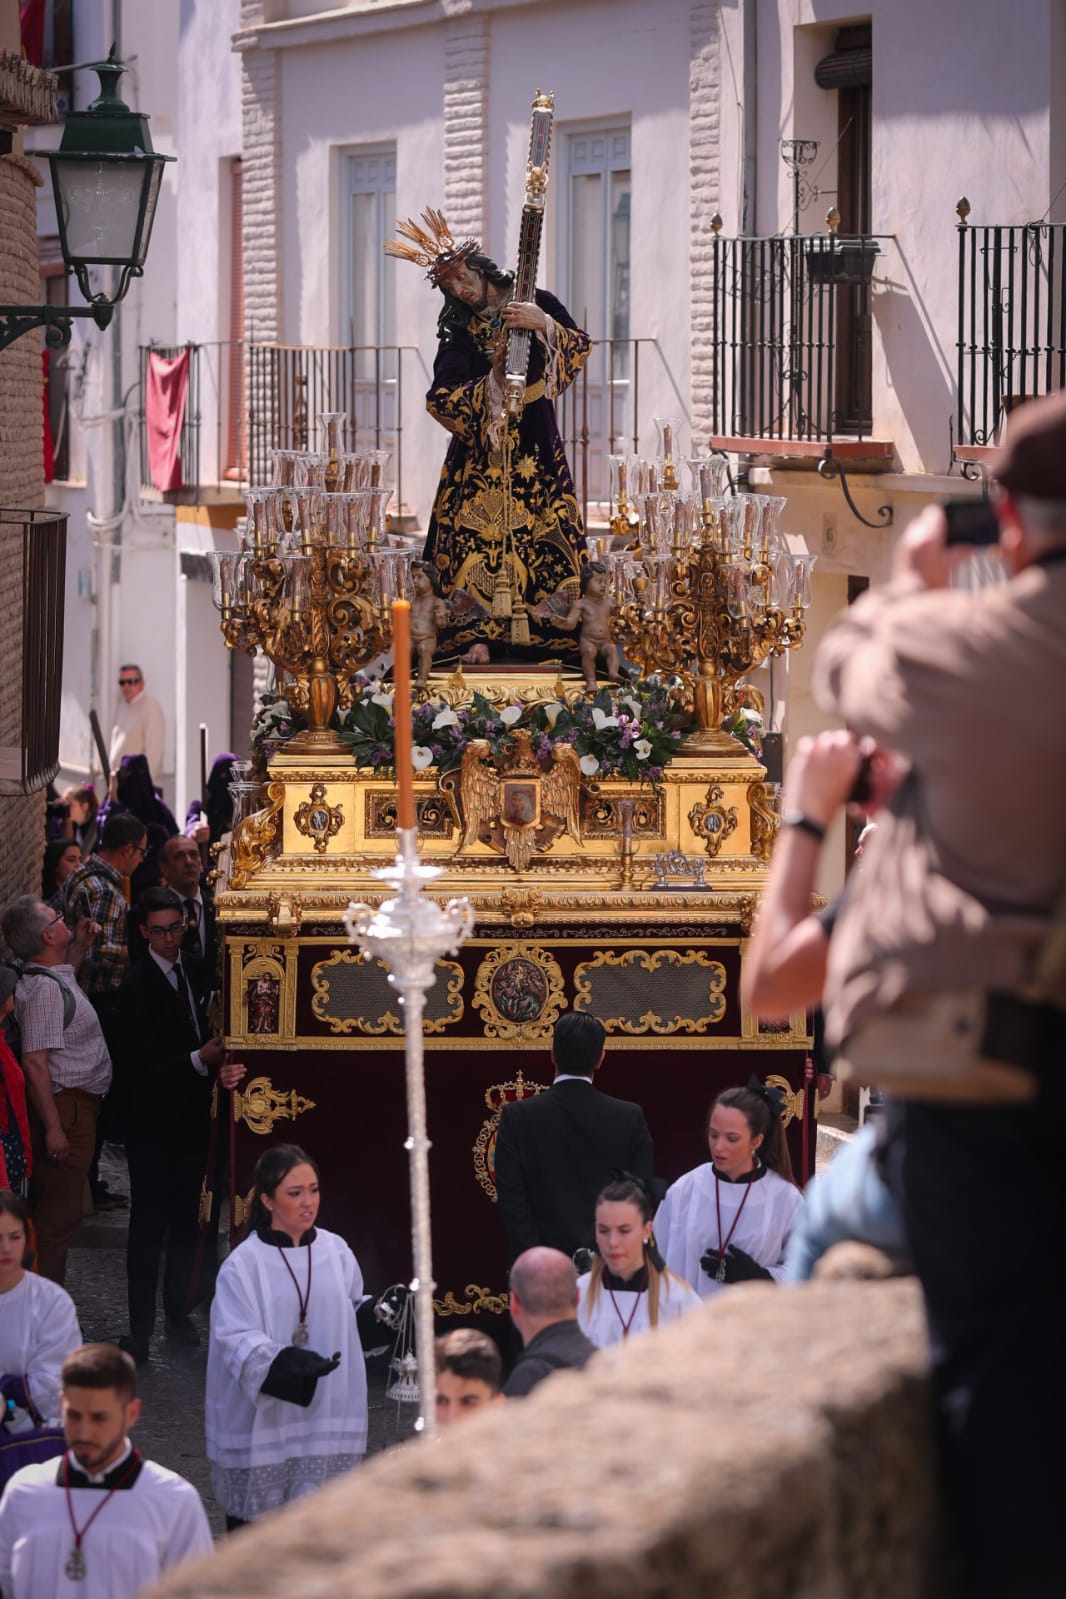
185,995
190,942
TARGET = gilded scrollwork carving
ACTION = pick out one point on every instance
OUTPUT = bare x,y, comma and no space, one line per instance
519,992
521,905
793,1097
434,816
764,820
256,837
496,1097
259,1105
324,973
478,1299
642,1016
712,821
600,817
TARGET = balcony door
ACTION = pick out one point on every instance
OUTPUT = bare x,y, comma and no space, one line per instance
368,296
595,255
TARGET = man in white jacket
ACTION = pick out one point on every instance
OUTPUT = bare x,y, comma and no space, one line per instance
138,728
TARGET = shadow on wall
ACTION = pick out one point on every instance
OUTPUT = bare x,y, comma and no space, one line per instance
918,368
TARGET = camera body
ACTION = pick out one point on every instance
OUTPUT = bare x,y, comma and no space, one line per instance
971,522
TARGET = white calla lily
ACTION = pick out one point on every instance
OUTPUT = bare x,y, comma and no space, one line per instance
420,757
384,700
510,715
445,718
589,765
600,719
551,711
631,705
642,749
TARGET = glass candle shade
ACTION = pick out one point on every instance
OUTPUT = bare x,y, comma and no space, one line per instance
311,518
262,519
708,473
331,429
771,508
669,430
377,461
297,583
355,473
283,465
311,471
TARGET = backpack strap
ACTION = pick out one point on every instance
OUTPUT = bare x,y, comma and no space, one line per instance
70,1003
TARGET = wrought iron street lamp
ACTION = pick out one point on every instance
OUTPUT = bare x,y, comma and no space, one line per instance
106,179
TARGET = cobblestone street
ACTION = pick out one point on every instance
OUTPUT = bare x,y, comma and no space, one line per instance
171,1429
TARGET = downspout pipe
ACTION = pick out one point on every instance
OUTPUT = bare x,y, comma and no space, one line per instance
749,117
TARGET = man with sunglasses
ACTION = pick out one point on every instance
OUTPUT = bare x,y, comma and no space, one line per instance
67,1067
169,1063
138,726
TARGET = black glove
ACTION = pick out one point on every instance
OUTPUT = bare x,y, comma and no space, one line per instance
741,1268
710,1263
294,1374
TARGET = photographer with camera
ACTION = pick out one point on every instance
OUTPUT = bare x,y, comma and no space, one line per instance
945,980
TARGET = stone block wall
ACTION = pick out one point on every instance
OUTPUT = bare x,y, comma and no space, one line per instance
774,1445
21,486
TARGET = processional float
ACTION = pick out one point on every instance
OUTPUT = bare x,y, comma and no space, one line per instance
553,848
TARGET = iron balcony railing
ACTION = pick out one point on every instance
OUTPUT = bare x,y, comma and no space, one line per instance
599,414
33,549
289,386
791,336
189,444
1012,323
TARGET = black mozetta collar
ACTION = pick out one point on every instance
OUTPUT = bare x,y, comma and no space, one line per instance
626,1285
754,1176
270,1235
124,1475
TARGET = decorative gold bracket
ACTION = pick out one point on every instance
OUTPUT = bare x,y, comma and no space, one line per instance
260,1105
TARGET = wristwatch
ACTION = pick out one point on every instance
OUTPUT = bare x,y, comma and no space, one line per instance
805,824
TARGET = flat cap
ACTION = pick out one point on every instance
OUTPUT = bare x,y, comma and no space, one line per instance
1032,459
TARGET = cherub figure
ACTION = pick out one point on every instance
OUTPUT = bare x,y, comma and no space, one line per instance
591,610
430,612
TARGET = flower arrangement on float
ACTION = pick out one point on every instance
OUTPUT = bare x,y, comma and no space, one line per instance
627,731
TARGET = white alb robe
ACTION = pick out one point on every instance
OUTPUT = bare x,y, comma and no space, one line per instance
141,1532
38,1330
603,1324
686,1223
266,1451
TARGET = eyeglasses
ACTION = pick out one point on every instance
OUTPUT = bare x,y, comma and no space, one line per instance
171,930
129,682
140,849
59,918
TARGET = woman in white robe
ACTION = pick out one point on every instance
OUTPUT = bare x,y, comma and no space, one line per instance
729,1221
286,1405
629,1290
38,1323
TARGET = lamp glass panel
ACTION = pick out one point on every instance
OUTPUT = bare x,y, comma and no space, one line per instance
101,206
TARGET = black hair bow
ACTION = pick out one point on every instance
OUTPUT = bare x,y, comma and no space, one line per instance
773,1097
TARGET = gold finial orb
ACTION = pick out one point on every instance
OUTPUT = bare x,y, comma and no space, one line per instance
716,223
962,210
832,219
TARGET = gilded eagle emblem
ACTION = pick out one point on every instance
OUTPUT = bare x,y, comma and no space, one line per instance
520,809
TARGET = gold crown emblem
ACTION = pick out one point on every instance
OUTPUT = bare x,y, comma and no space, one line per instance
431,246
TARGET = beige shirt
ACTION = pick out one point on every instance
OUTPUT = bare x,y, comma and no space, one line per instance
956,887
138,730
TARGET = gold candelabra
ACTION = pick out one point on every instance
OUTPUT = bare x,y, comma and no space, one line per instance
314,579
708,592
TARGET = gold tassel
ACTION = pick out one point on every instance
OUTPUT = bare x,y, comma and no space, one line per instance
520,628
501,597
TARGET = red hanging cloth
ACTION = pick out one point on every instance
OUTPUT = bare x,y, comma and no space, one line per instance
31,17
164,413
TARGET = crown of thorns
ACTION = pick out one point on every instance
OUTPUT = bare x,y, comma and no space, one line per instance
431,246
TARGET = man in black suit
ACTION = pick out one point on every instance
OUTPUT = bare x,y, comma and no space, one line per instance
555,1151
168,1065
180,868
